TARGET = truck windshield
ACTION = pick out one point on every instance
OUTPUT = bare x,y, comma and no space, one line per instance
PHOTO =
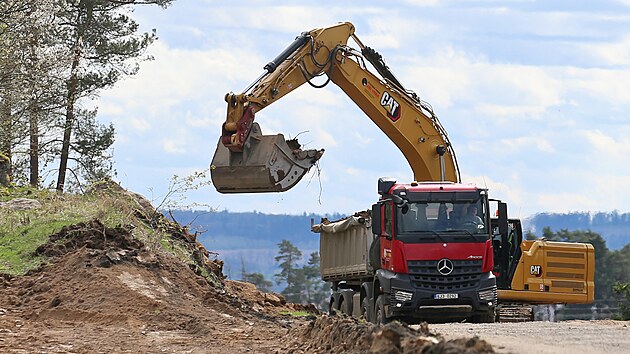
468,217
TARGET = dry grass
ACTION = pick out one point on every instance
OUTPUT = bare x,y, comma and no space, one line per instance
22,231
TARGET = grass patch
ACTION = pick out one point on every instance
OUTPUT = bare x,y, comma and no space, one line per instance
17,247
21,232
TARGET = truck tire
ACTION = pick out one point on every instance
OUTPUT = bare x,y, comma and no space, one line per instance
346,304
379,311
365,309
332,306
484,317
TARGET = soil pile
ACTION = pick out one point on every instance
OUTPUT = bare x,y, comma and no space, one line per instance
105,291
349,335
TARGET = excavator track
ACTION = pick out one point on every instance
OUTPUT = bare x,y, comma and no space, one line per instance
515,313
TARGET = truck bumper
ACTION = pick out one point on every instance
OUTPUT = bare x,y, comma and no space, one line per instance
408,302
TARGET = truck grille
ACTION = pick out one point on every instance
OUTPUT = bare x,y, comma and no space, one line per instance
465,275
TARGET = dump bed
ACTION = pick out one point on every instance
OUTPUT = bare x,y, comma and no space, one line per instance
343,247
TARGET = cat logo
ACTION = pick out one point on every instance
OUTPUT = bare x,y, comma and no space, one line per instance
535,270
391,106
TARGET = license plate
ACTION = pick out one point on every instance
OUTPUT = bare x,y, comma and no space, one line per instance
445,296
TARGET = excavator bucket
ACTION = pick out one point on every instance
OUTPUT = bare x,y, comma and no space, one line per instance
268,163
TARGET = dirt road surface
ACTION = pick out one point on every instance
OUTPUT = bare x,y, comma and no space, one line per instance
570,337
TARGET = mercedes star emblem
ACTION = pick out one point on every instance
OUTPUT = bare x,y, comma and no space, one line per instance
445,266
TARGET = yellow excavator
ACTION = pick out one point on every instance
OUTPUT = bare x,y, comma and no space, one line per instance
422,256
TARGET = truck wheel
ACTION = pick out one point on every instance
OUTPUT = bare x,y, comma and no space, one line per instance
332,307
346,303
379,311
484,317
346,306
365,309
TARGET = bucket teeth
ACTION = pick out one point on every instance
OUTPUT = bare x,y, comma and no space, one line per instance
268,163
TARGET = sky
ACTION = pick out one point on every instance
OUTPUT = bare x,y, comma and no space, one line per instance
534,96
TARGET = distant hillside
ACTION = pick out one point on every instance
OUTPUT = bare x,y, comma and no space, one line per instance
614,227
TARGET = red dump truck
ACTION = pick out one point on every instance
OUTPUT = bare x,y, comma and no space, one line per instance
432,251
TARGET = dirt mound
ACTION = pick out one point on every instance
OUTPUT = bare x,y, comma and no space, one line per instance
348,335
103,290
93,235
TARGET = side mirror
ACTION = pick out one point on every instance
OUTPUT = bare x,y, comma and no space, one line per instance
376,219
402,202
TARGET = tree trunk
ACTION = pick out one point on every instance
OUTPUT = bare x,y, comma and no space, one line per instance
33,119
67,131
6,173
34,145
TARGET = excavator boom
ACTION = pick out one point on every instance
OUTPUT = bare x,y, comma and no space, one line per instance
246,161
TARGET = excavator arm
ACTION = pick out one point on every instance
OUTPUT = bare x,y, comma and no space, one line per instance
248,161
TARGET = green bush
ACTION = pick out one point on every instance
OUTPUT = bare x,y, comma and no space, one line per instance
623,289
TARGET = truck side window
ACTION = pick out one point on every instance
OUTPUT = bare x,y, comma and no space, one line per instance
389,212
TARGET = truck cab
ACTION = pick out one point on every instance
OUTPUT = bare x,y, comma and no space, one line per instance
432,252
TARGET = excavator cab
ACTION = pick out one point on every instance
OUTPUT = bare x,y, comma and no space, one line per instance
267,163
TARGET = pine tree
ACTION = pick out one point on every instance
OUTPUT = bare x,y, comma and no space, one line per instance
104,46
290,274
315,287
259,280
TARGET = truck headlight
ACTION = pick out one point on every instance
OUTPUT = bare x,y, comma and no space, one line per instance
488,294
402,296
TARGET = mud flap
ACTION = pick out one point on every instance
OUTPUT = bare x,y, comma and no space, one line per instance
268,163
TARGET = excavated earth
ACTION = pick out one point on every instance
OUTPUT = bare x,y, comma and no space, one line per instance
104,291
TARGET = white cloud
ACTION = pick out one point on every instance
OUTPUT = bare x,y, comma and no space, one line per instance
453,77
362,140
140,124
526,143
180,74
354,172
607,147
607,85
291,19
423,3
173,147
563,202
615,53
392,30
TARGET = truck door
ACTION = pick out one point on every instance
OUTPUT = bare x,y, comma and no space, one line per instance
387,235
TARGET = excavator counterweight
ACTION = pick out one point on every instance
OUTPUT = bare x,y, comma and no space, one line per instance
268,163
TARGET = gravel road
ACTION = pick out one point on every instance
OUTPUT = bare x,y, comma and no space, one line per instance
572,337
